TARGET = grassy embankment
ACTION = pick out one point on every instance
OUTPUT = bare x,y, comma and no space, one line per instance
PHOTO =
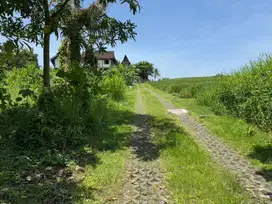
239,109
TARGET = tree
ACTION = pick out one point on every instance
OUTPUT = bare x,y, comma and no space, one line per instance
92,29
25,21
19,58
44,17
156,73
144,69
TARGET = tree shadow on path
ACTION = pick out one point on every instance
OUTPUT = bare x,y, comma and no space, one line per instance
263,153
153,135
40,174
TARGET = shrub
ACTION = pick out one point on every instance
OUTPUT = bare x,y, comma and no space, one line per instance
22,79
114,84
68,115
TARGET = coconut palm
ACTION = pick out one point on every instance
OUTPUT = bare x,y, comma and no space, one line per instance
144,69
91,29
156,73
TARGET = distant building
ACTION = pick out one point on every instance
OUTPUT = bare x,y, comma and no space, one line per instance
126,61
104,59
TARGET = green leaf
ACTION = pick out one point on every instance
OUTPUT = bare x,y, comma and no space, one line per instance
9,46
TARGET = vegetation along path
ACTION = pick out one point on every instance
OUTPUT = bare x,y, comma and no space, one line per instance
228,158
144,180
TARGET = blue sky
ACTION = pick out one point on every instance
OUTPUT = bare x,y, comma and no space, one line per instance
196,37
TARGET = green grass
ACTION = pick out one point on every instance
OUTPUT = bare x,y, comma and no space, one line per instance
245,94
186,87
192,176
188,80
103,182
90,174
251,142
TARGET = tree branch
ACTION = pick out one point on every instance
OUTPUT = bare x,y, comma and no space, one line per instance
44,4
54,15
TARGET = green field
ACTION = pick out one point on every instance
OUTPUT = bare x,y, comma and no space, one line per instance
186,87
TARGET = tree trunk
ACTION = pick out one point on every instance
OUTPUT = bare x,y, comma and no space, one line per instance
74,50
46,60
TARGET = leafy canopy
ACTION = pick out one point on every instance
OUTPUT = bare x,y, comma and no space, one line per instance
145,69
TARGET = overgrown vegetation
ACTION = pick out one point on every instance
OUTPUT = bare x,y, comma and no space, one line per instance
51,138
250,141
245,94
60,128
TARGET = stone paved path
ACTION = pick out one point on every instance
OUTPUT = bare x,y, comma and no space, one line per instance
144,181
228,158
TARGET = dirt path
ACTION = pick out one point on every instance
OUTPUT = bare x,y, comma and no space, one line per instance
228,158
144,181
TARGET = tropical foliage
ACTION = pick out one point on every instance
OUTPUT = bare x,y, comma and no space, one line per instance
244,94
145,70
35,20
50,134
16,58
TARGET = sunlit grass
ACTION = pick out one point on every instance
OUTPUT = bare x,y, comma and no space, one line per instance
192,176
251,142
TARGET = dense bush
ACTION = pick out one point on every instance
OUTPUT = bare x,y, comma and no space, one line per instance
22,79
48,134
245,94
116,79
114,86
128,73
68,115
19,58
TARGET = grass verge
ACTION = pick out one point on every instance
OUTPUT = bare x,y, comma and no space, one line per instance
251,142
192,177
90,175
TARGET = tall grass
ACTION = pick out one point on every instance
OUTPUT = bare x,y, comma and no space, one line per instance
114,86
245,94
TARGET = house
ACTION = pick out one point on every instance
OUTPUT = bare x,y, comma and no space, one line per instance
104,59
126,61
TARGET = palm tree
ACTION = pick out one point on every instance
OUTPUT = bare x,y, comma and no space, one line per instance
79,26
91,29
144,69
156,73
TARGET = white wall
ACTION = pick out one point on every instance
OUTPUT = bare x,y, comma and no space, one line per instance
101,63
